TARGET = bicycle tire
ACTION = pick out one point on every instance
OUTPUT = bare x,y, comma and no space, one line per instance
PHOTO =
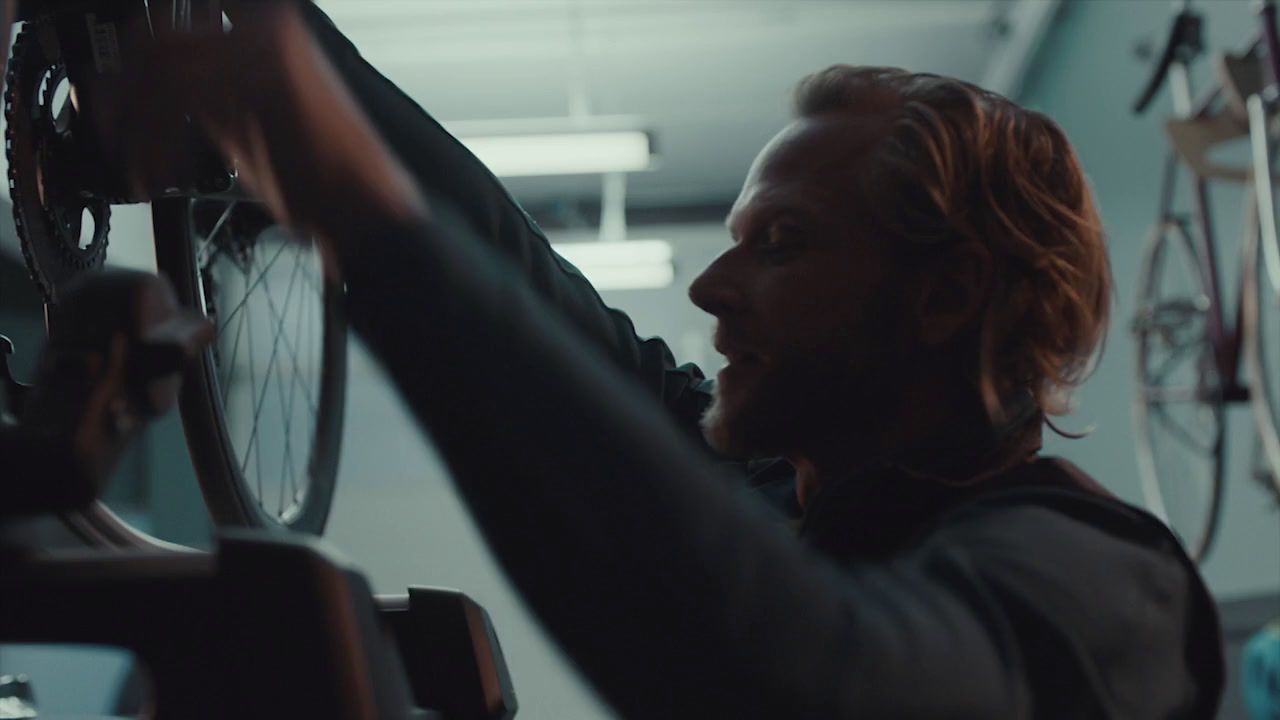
1257,295
222,472
1178,323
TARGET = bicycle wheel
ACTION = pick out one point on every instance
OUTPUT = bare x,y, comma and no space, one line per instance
262,408
1260,313
1178,408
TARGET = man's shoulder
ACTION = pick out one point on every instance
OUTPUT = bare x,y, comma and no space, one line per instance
1052,519
1074,500
1045,525
1103,582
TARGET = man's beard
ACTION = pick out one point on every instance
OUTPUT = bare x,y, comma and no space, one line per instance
789,406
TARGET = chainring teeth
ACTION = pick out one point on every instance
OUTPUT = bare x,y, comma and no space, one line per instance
52,257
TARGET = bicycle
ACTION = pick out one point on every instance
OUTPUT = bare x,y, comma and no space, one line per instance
219,249
1189,352
188,616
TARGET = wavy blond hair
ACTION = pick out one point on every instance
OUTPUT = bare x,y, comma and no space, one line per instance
960,164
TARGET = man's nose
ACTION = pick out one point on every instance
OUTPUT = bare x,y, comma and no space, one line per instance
718,289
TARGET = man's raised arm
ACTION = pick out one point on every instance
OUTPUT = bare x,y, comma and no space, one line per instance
460,187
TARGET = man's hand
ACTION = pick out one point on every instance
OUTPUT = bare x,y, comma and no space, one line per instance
118,344
268,99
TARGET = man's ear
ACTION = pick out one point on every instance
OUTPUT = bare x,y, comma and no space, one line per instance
951,297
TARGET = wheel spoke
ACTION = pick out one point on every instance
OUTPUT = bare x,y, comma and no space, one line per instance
235,353
1176,354
253,383
279,318
285,459
1175,428
258,404
271,361
280,344
286,462
1161,395
202,252
249,289
288,413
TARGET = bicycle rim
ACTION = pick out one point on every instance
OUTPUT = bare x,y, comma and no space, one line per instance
262,407
1178,407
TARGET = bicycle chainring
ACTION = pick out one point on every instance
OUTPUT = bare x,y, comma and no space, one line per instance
47,208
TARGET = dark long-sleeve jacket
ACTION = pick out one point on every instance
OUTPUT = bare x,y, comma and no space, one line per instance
677,593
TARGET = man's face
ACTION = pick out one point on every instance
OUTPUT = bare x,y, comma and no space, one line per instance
808,309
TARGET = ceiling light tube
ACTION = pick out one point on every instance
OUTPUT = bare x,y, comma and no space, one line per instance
626,252
625,265
563,153
630,277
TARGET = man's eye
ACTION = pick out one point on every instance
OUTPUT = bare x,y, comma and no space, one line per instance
782,237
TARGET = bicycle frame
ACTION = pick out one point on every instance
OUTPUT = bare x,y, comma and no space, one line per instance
1226,338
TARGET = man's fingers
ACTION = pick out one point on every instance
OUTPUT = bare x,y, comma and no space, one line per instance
103,419
148,117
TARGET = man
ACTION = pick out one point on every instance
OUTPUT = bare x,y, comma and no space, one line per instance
916,275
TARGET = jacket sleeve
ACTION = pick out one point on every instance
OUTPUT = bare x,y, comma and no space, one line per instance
674,594
458,184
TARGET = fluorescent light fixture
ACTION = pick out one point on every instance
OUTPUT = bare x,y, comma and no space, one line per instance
625,265
563,153
625,252
631,277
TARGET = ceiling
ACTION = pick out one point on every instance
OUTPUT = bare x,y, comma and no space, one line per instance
711,78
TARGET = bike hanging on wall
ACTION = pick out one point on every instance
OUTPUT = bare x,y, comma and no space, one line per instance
1190,345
